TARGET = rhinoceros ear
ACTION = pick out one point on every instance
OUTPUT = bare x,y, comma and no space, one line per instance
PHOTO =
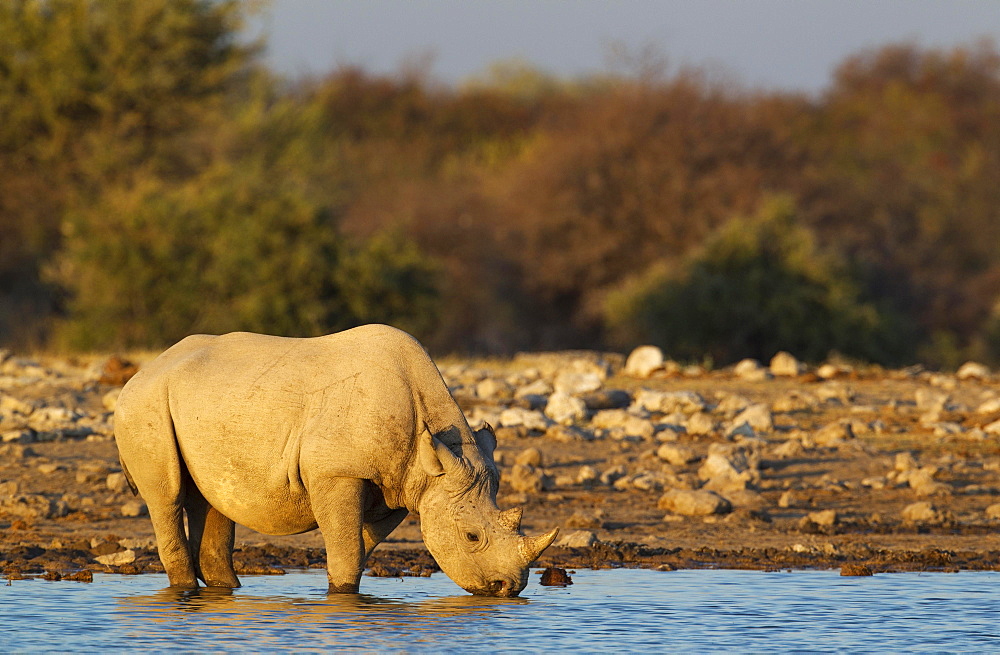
435,457
486,439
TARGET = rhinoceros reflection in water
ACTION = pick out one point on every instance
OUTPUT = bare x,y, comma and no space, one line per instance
347,432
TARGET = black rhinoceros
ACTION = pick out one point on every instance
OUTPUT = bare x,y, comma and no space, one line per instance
347,432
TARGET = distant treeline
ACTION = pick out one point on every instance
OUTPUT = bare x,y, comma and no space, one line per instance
157,180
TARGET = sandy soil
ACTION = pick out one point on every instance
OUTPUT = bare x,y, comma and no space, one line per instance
908,461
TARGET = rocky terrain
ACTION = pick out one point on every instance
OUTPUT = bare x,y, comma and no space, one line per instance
641,462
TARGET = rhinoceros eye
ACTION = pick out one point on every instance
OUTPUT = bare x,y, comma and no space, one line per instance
472,537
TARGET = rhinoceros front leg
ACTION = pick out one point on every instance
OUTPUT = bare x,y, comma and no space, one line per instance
377,529
337,504
211,535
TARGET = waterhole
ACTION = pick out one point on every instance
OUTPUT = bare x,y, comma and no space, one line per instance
633,610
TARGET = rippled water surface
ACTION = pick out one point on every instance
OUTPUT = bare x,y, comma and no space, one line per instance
632,610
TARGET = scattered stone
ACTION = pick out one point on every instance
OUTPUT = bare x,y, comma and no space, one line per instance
931,400
788,499
529,457
555,577
491,389
578,539
565,409
823,518
993,511
750,370
788,449
855,570
784,364
667,402
528,479
972,371
688,502
992,428
612,475
585,519
134,508
536,388
833,434
518,416
587,475
921,512
730,467
644,361
676,454
757,416
48,468
700,423
989,406
110,400
116,559
33,506
117,482
574,383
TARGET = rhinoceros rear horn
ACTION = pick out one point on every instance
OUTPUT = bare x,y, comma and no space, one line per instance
510,519
532,547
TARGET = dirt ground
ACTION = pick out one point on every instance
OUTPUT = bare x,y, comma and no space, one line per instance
908,461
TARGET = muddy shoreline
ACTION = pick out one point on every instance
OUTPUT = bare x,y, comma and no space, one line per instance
752,467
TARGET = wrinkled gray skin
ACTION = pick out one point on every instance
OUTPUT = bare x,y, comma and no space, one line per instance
347,432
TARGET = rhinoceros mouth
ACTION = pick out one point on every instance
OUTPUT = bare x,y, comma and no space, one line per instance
498,588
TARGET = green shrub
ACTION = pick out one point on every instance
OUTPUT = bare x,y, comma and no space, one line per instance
757,286
237,248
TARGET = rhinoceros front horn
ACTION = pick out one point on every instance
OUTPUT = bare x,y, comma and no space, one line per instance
532,547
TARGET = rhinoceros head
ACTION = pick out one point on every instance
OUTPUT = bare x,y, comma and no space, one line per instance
480,547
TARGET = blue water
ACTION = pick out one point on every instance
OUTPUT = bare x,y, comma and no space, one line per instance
623,610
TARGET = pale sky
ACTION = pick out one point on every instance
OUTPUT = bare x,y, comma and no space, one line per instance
774,44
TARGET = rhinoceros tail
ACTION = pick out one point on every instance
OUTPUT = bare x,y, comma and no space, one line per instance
128,477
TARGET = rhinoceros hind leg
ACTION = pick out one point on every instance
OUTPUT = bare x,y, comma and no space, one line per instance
211,535
175,554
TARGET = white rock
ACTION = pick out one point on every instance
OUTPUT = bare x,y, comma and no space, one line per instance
110,399
536,388
134,508
700,423
833,434
571,382
527,479
993,511
513,417
992,428
750,370
643,361
587,475
492,388
989,406
117,482
529,456
693,502
676,454
921,512
565,409
823,518
578,539
784,364
973,371
613,474
666,402
757,416
11,405
931,400
116,559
